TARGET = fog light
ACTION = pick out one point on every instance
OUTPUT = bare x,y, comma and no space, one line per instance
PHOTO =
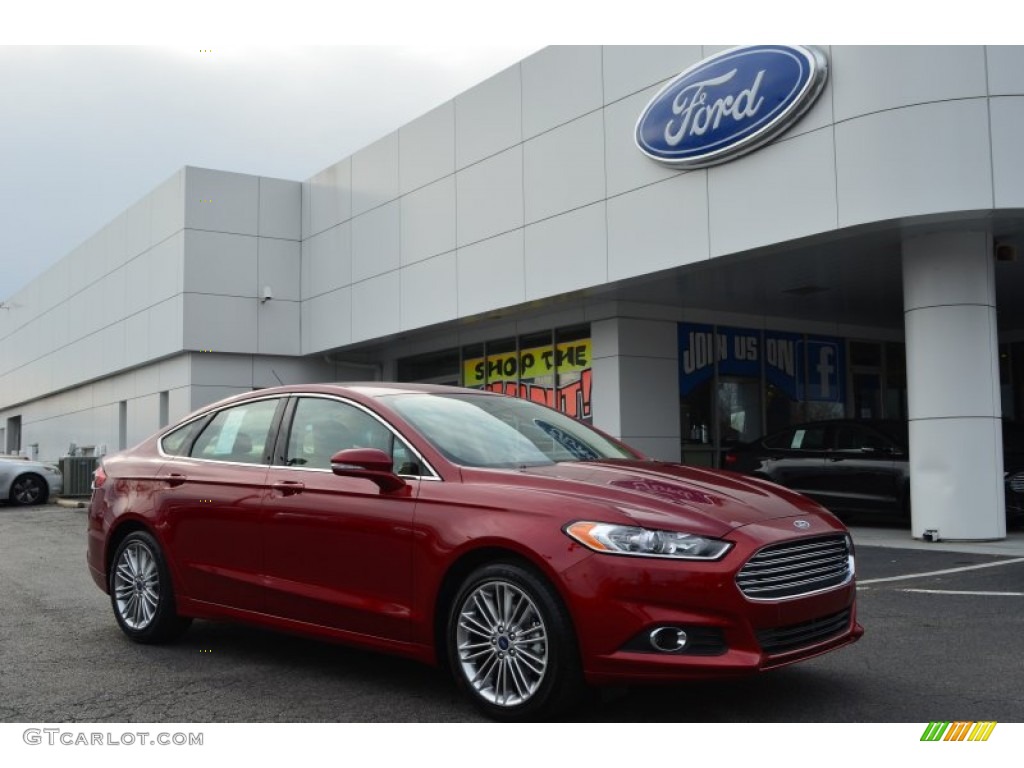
668,639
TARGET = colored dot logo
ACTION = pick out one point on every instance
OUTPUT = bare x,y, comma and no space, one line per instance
209,200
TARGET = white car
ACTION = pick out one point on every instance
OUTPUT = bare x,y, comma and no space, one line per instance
24,482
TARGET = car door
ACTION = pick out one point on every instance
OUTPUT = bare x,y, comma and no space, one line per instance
861,470
211,498
795,458
339,549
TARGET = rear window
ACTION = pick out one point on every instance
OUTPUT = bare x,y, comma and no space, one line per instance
178,441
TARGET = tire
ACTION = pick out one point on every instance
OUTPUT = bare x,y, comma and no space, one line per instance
511,646
29,489
141,592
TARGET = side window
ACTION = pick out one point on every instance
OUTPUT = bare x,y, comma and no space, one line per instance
780,440
322,427
809,439
855,438
238,434
176,443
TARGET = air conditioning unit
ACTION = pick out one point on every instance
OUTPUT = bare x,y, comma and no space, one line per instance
77,471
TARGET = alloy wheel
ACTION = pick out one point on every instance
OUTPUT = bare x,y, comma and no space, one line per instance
502,643
136,585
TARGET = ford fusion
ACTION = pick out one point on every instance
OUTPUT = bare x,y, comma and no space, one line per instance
525,551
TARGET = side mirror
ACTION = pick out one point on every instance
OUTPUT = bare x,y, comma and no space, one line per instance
368,463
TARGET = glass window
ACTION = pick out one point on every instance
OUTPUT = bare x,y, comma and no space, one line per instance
808,439
850,437
178,441
322,427
239,433
484,431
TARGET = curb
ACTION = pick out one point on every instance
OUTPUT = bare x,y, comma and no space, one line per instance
70,503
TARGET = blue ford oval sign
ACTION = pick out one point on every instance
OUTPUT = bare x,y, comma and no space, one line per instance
730,104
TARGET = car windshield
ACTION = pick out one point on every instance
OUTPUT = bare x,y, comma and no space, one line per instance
488,431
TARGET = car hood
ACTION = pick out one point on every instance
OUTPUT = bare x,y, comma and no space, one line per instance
660,495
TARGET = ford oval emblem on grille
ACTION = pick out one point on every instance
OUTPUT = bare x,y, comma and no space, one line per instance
730,103
803,525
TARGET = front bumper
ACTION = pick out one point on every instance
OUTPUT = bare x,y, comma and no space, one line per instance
617,600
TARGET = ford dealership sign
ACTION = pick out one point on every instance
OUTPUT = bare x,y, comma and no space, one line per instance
730,104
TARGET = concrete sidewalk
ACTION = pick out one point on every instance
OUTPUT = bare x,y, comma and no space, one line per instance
900,538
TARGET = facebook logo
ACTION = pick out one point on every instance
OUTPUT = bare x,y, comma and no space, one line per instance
825,370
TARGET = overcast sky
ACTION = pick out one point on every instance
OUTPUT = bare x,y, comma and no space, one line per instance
87,131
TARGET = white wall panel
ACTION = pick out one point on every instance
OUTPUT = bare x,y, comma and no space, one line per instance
376,307
874,78
375,174
660,226
1007,116
1005,69
280,211
327,261
918,160
279,328
221,202
567,252
279,267
632,68
138,227
489,197
428,221
166,327
327,321
782,192
168,207
429,291
489,117
136,337
563,169
220,263
491,274
375,241
627,167
328,199
560,83
220,323
426,148
166,265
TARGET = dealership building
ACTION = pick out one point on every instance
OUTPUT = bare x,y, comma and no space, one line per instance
842,245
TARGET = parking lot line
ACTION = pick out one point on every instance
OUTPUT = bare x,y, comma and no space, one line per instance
963,592
1011,561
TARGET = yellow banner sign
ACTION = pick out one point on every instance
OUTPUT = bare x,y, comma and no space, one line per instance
527,364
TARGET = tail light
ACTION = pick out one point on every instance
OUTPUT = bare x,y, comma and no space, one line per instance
729,459
99,477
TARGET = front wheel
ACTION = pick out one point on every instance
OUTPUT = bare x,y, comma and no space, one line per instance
141,592
27,490
511,645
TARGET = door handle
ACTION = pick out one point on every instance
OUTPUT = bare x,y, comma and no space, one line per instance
175,479
288,487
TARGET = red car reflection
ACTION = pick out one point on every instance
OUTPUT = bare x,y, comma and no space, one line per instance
524,550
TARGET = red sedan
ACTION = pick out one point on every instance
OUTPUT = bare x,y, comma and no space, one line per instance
528,552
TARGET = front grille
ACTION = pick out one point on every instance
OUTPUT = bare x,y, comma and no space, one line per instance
808,633
1017,482
796,568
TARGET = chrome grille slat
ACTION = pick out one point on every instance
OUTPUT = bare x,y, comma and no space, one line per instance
796,568
787,578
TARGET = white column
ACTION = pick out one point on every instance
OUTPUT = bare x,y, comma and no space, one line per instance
956,458
636,383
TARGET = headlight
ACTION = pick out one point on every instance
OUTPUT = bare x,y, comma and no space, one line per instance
644,542
51,469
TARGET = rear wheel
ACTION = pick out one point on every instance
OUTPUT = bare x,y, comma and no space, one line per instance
29,489
511,646
141,592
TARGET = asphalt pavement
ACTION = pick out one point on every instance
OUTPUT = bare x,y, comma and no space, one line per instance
944,641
